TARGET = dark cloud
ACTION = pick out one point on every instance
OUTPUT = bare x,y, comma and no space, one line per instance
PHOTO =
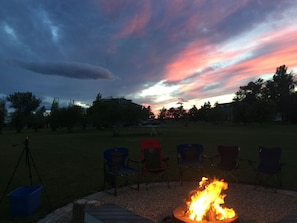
66,69
141,42
248,16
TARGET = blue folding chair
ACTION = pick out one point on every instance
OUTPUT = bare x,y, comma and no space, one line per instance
269,166
117,165
189,156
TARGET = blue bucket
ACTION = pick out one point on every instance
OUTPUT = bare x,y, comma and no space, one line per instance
24,200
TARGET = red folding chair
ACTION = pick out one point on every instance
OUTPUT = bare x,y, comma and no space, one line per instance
153,162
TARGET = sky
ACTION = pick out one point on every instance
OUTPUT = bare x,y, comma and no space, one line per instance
162,53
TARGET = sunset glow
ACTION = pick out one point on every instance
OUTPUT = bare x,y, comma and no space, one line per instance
152,52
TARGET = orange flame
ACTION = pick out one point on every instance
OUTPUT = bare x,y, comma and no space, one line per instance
206,203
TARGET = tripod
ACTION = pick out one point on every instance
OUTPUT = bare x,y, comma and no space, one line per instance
29,162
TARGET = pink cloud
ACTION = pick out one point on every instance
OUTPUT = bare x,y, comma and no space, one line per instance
283,46
197,21
266,64
187,62
137,23
196,54
112,7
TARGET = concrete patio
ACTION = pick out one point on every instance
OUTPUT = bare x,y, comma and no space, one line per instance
252,206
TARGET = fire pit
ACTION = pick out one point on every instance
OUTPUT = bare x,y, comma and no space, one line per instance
206,205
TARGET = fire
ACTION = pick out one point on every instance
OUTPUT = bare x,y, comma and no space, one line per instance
206,203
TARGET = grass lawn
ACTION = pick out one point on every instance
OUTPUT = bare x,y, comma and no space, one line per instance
71,164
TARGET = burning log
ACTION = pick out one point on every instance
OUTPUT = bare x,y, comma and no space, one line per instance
211,214
180,216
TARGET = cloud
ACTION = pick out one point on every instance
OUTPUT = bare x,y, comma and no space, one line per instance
160,50
66,69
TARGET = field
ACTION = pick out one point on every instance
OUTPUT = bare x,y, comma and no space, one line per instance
71,164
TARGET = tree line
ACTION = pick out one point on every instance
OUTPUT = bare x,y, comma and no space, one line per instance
103,113
258,101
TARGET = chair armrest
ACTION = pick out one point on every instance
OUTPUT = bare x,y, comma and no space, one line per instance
178,159
205,156
211,158
251,162
105,166
133,163
165,160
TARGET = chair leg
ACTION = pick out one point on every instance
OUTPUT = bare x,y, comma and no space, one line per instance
109,183
260,177
280,180
104,182
138,180
143,179
168,184
115,186
180,176
165,178
146,183
236,176
257,181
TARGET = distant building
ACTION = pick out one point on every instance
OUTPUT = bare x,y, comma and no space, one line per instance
228,110
121,101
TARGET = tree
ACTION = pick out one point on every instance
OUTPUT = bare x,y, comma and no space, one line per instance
116,112
262,111
292,109
171,113
148,112
216,114
24,103
250,93
180,112
162,114
3,113
94,115
71,115
37,119
54,118
253,103
242,112
204,110
260,101
280,88
193,113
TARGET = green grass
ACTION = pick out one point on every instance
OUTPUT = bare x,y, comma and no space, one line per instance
71,164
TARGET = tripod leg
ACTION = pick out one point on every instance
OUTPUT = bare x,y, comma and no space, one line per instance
29,164
35,167
11,178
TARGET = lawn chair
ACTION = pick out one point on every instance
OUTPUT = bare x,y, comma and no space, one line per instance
118,165
189,156
269,166
152,160
228,161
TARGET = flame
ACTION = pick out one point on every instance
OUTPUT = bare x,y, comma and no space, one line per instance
206,202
